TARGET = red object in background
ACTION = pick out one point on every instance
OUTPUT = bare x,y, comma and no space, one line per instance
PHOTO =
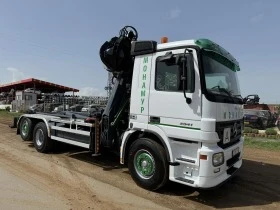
45,87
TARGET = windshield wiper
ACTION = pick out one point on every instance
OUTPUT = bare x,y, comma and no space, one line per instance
222,90
238,96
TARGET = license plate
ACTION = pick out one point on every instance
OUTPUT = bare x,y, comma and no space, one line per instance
246,123
235,151
226,136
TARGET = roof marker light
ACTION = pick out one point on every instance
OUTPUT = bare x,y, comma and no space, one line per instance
164,39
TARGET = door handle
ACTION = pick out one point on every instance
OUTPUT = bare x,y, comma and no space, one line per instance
154,119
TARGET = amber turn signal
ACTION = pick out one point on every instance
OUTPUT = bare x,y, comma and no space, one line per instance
164,39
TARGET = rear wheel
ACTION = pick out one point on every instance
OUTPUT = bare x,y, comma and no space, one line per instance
26,129
148,164
41,141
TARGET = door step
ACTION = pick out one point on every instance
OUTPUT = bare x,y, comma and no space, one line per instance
184,180
185,160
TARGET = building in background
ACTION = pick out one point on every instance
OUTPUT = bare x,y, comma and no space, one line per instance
41,96
25,93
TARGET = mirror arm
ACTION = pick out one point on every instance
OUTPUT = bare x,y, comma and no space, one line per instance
188,100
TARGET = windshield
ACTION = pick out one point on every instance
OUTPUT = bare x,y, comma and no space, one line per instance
220,79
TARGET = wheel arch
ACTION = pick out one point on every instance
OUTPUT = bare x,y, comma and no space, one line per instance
18,123
34,120
133,135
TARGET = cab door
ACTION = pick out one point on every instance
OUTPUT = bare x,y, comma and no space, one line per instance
168,108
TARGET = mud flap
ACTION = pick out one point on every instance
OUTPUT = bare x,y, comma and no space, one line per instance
14,123
95,138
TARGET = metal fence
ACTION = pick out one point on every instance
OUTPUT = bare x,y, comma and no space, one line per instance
50,102
20,105
76,104
60,103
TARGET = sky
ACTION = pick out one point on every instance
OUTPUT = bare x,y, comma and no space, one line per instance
59,41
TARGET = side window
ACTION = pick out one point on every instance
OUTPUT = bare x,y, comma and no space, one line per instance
28,98
168,74
167,77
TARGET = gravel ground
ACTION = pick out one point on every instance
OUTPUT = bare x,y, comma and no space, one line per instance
70,178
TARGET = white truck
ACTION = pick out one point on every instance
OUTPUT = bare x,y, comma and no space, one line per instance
175,113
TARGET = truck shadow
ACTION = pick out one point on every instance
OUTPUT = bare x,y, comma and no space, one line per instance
255,184
108,160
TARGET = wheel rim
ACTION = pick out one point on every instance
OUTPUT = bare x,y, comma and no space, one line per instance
25,128
39,137
144,164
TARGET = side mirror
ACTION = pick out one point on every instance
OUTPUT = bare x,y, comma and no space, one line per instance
188,76
190,73
178,78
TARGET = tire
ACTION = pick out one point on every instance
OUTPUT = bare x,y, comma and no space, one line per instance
263,125
26,127
41,141
147,163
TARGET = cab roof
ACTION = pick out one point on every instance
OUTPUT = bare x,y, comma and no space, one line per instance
175,44
205,44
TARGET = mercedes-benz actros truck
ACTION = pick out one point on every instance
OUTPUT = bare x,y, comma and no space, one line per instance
175,113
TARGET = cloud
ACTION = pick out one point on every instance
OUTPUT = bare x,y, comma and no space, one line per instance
90,91
16,74
257,18
42,78
174,13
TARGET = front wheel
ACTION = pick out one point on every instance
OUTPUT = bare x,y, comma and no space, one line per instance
147,164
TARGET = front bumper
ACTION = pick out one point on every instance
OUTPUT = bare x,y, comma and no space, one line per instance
210,176
206,175
215,181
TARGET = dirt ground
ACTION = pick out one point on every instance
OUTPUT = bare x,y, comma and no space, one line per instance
70,178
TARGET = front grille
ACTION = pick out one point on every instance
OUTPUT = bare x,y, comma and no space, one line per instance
234,137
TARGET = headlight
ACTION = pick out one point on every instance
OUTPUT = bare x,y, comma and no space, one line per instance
218,159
